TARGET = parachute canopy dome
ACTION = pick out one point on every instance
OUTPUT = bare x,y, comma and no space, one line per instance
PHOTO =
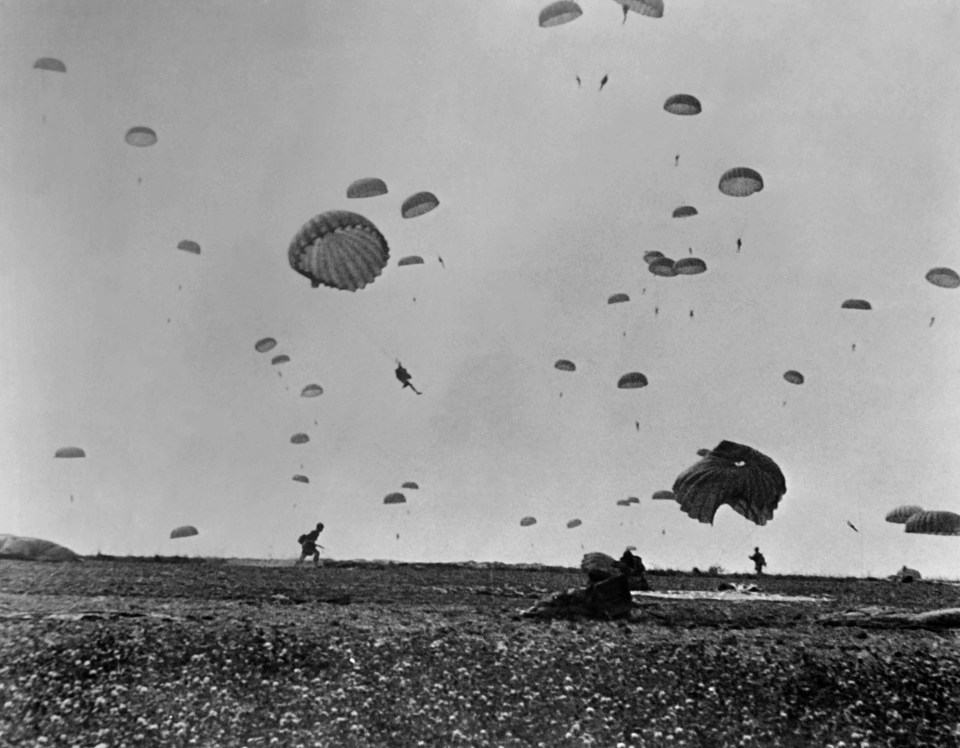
663,495
418,204
633,499
662,266
651,8
394,498
312,390
299,439
794,377
943,277
339,249
50,63
70,452
564,365
734,474
189,246
411,260
141,137
34,549
682,104
901,514
185,531
410,484
689,266
573,523
301,479
367,187
652,255
684,211
559,13
703,452
618,298
266,344
934,523
741,182
624,502
281,359
632,380
527,521
856,304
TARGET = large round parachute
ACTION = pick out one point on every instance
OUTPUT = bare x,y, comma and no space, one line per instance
735,474
527,521
559,13
34,549
70,452
662,266
663,495
618,298
901,514
185,531
189,246
283,358
652,255
265,345
418,204
395,498
632,380
934,523
683,104
650,8
141,137
684,211
339,249
312,390
410,484
410,260
689,266
794,377
301,479
943,277
564,365
299,439
740,182
856,304
573,523
50,63
367,187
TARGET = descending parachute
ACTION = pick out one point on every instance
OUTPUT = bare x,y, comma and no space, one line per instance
411,260
749,481
662,266
50,63
301,479
663,495
901,514
185,531
741,182
618,298
189,246
632,380
633,500
652,255
265,344
34,549
624,502
70,452
573,523
339,249
689,266
281,359
299,439
368,187
559,13
856,304
683,104
141,137
564,365
684,211
934,523
410,484
703,452
311,390
418,204
527,521
943,277
650,8
394,498
794,377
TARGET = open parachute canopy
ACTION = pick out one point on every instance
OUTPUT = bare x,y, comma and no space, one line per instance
632,380
339,249
141,137
50,63
367,187
794,377
663,496
703,452
301,479
70,452
283,358
740,182
189,246
652,255
943,277
650,8
418,204
410,484
34,549
689,266
624,502
265,345
395,498
934,523
684,211
901,514
734,474
573,523
185,531
312,390
527,521
559,13
299,439
633,500
564,365
618,298
662,266
856,304
682,104
410,260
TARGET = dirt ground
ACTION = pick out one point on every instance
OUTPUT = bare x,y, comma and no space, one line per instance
127,652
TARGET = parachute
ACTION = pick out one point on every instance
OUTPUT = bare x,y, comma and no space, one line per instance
367,187
189,246
740,182
618,298
281,359
663,495
141,137
339,249
901,514
185,531
703,452
394,498
684,211
411,260
564,365
573,523
652,255
299,439
683,104
312,390
418,204
633,500
662,266
735,474
934,523
632,380
689,266
624,502
265,344
527,521
301,479
943,277
70,452
651,8
856,304
559,13
52,64
34,549
794,377
410,484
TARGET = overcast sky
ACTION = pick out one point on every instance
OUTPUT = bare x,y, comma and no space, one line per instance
550,193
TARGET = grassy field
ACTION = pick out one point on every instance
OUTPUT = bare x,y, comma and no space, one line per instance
128,652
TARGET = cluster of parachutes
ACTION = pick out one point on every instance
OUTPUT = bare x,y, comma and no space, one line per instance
923,522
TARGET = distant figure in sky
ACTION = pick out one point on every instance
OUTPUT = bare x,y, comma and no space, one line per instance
309,547
676,160
656,311
689,250
404,376
578,81
853,347
643,290
637,424
931,321
739,244
605,78
624,15
691,313
758,560
850,525
441,262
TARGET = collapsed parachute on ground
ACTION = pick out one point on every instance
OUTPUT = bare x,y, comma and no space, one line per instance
301,479
943,277
312,390
339,249
527,521
34,549
52,64
662,266
794,377
934,523
299,439
689,266
564,365
632,380
618,298
740,182
283,358
410,484
559,13
663,495
573,523
650,8
70,452
410,260
652,255
185,531
682,104
901,514
418,204
141,137
189,246
367,187
856,304
747,480
265,345
684,211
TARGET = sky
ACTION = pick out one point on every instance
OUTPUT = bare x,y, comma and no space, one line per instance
549,194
